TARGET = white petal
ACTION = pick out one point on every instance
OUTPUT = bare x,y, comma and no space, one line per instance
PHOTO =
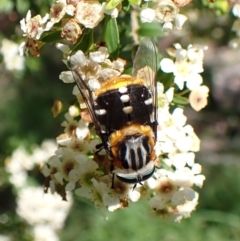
179,160
84,192
190,156
180,20
194,81
70,10
198,180
63,47
167,65
169,94
99,56
59,177
28,16
67,77
179,81
167,26
82,130
189,193
23,25
196,168
147,15
94,84
78,58
22,48
178,198
236,10
113,12
70,186
134,195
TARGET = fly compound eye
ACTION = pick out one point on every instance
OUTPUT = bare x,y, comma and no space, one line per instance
137,177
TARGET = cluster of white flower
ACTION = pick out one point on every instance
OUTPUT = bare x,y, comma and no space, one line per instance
186,68
78,166
44,212
94,69
165,12
11,57
73,15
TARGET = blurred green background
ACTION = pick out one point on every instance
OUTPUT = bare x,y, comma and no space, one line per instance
26,98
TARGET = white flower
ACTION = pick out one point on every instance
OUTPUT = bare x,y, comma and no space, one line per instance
187,66
100,55
43,232
84,192
193,81
112,12
11,57
158,203
118,65
70,124
67,77
166,11
236,10
198,97
178,198
82,130
108,73
73,111
185,209
180,20
94,84
78,58
63,47
167,26
167,65
147,15
179,119
58,10
89,14
37,208
179,160
184,177
103,196
5,238
198,180
70,186
33,27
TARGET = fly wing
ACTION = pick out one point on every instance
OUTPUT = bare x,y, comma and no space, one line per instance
80,73
145,68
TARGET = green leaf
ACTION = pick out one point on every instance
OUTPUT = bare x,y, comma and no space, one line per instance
110,36
6,6
22,6
135,2
180,100
166,79
153,29
112,4
85,42
50,37
125,5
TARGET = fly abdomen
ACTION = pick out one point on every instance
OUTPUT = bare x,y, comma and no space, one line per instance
134,152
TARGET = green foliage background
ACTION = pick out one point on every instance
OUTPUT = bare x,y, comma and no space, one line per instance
25,118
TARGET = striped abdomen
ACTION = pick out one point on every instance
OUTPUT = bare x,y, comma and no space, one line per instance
134,152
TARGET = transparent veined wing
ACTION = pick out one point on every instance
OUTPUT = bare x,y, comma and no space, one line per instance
81,68
145,68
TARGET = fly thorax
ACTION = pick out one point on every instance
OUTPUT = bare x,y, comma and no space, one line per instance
134,152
